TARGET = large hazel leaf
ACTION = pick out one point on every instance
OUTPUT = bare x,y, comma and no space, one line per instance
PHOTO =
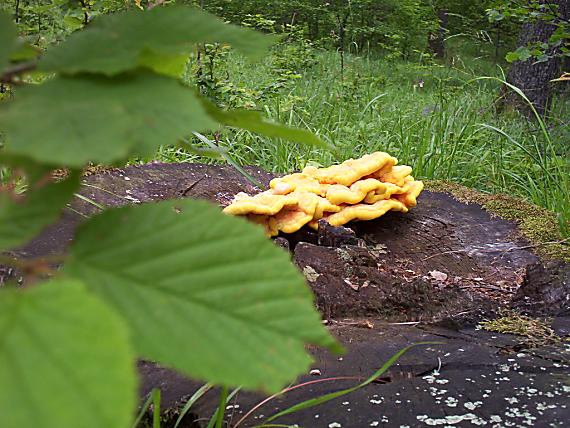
203,292
73,121
23,217
120,42
65,360
7,39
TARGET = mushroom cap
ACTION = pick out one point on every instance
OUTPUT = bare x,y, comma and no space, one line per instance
382,193
396,175
351,170
264,203
357,192
298,181
411,193
365,211
263,220
290,219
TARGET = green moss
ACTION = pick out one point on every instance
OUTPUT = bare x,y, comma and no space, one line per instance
536,331
538,225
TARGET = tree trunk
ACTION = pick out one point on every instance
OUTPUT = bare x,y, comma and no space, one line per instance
436,39
531,77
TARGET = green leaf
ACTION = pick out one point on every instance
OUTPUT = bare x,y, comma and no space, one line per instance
512,57
521,54
115,43
65,360
203,292
25,51
7,39
256,122
100,119
73,22
22,217
167,64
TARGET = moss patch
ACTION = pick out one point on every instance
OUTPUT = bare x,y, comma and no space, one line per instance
536,331
538,225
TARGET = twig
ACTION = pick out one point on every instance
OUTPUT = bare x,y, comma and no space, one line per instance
33,265
11,72
85,8
490,287
405,323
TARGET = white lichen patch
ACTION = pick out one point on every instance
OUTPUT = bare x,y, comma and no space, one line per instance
496,419
451,420
451,402
472,405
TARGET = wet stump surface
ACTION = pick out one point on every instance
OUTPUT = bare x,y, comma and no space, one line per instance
430,275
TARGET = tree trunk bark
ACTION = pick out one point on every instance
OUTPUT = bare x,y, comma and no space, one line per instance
531,77
436,39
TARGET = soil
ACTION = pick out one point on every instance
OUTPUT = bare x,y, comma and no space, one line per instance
430,275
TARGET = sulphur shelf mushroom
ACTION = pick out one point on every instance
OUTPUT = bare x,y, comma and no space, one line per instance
357,189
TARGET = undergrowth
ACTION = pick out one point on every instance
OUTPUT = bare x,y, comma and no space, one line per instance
448,130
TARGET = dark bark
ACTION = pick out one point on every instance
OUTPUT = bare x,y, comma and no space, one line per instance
341,38
497,41
531,77
436,40
17,12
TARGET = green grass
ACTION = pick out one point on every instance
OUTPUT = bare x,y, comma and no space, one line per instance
448,130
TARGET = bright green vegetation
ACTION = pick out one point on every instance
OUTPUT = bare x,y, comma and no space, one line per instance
449,130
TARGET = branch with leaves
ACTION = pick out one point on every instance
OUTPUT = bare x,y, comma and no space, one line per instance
176,282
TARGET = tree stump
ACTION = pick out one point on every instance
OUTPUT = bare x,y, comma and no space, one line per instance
429,275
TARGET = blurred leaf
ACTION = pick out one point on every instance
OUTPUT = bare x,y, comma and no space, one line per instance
203,292
65,360
99,119
115,43
255,122
21,220
167,64
34,171
25,51
7,39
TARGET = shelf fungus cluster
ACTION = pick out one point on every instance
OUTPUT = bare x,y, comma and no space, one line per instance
357,189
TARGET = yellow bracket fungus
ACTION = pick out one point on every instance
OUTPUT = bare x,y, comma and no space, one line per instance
351,170
365,211
357,189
